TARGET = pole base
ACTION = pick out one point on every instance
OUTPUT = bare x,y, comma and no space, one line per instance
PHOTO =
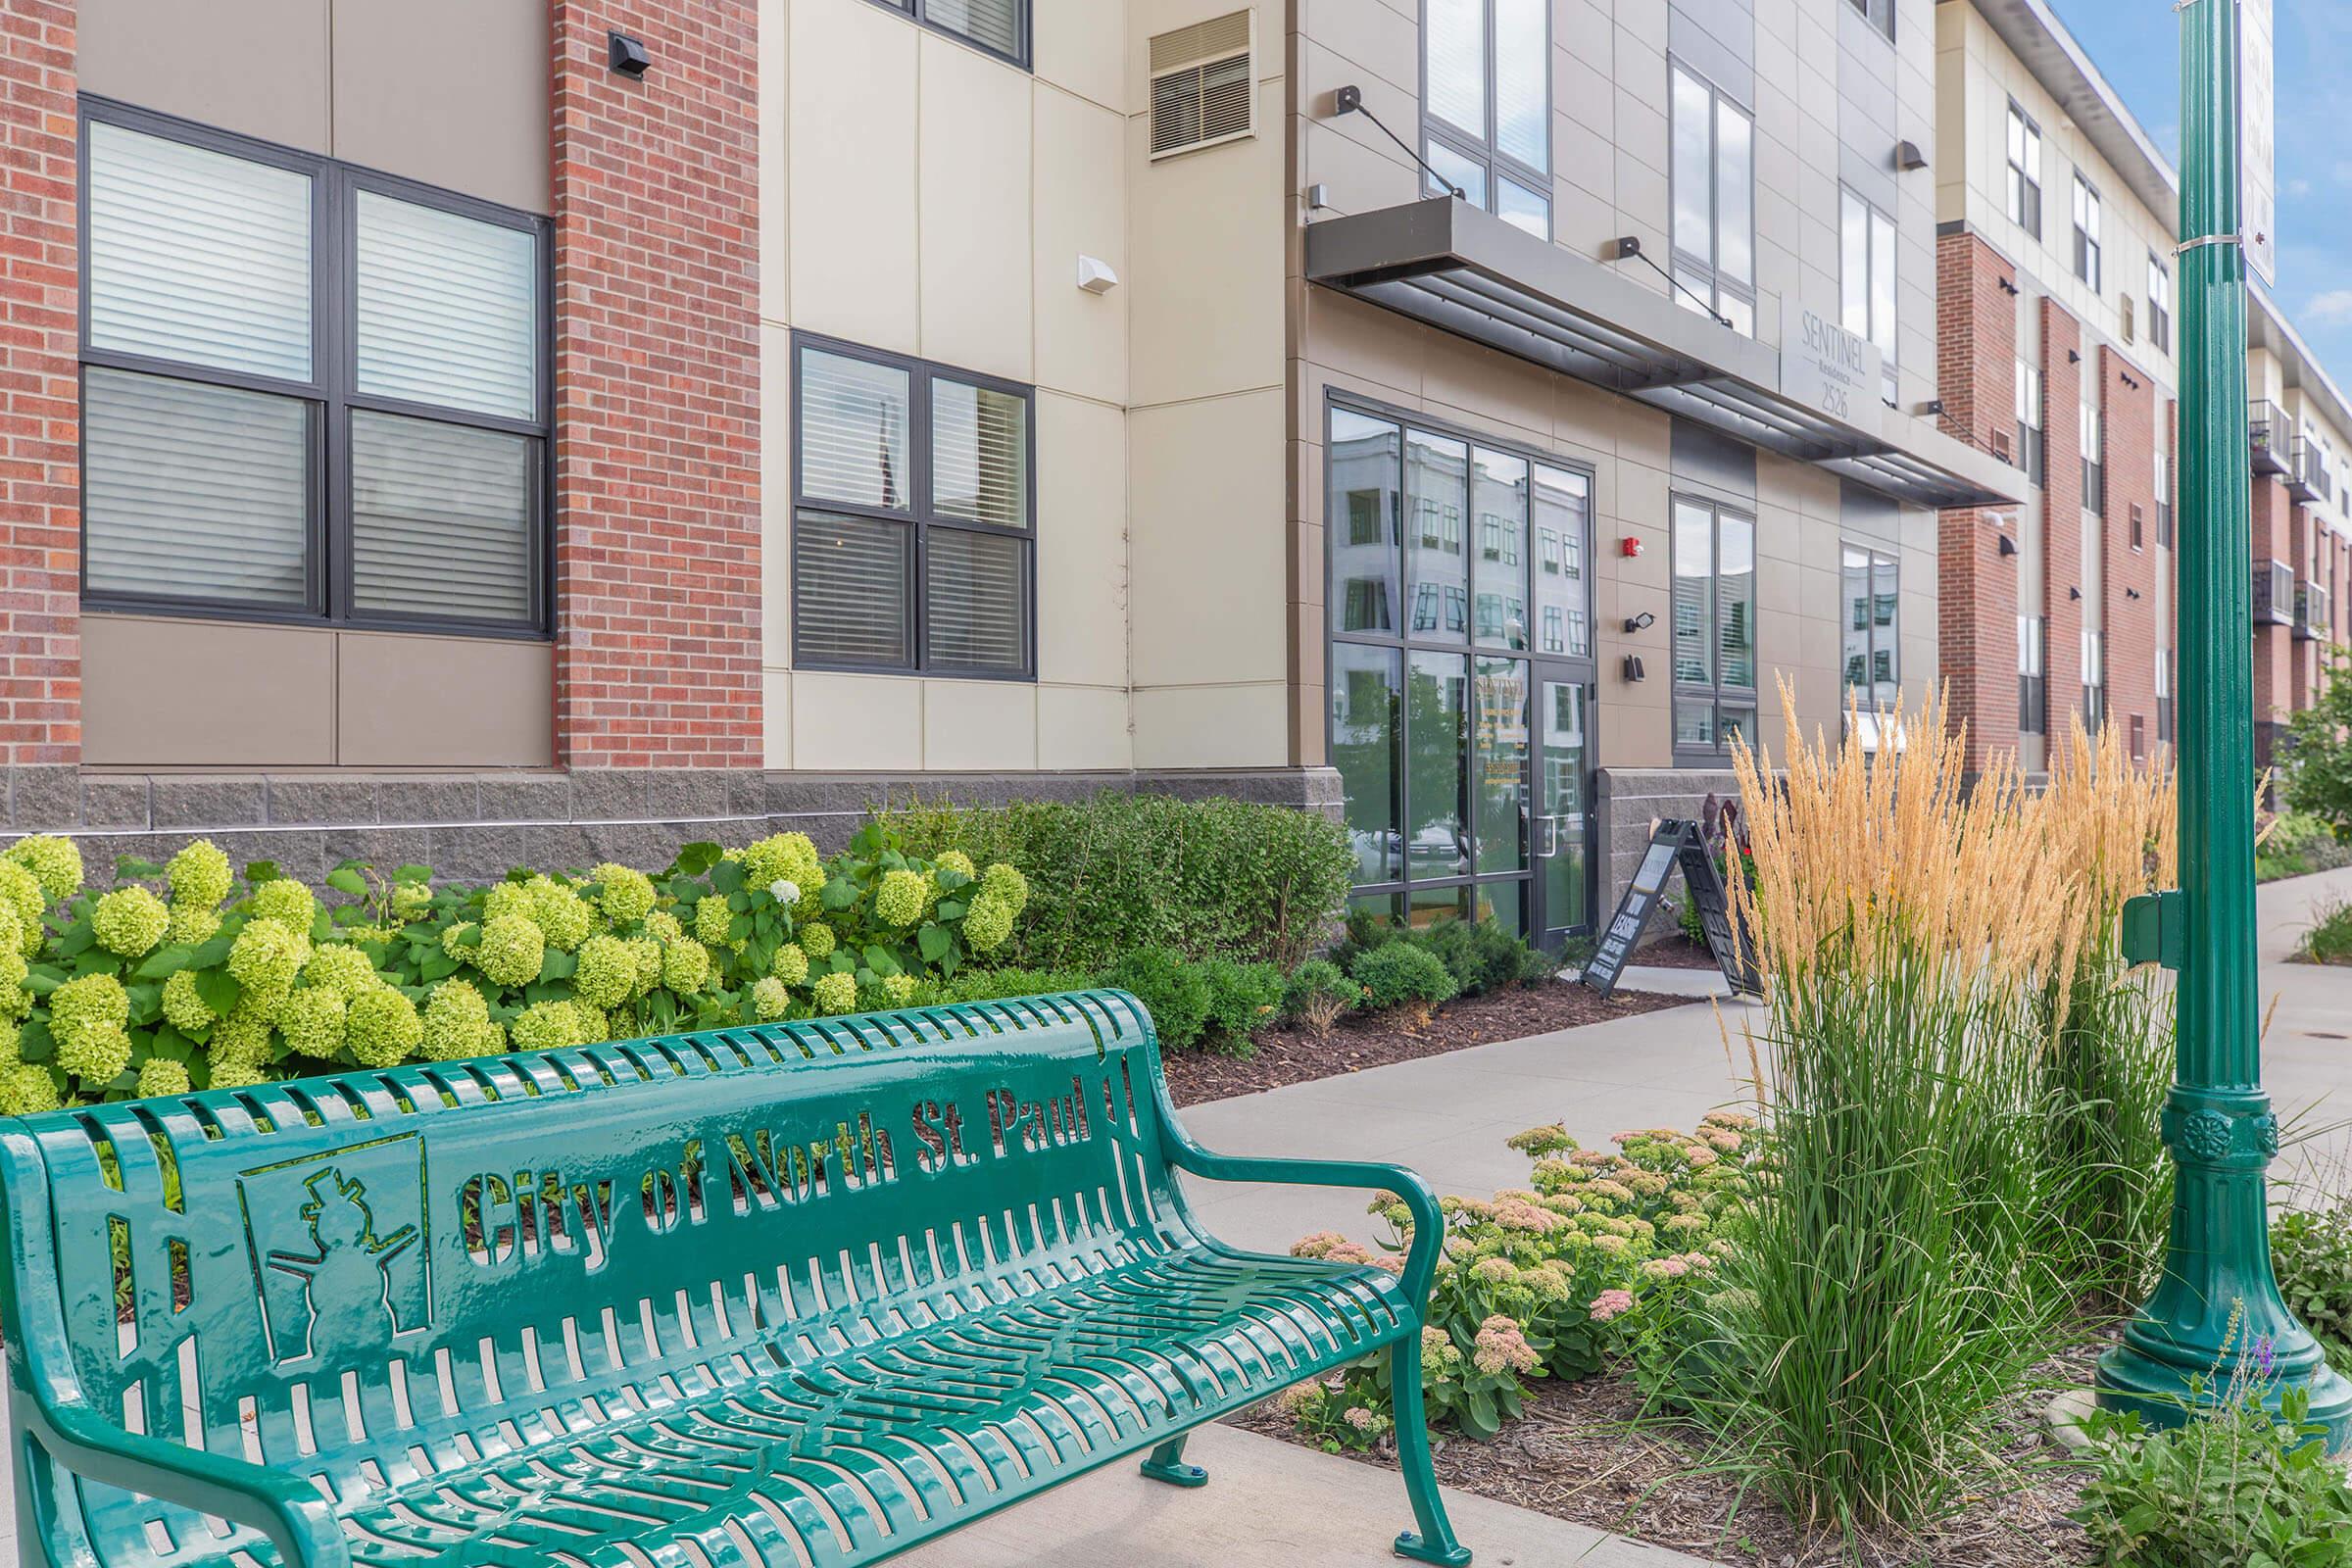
2158,1389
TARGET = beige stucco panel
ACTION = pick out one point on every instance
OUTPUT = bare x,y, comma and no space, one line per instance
1081,201
855,722
851,149
776,161
1082,590
775,494
974,223
1210,541
1212,726
1083,727
444,702
256,67
1081,46
776,720
182,692
449,92
975,726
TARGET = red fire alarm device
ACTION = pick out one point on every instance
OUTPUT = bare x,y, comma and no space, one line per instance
1629,546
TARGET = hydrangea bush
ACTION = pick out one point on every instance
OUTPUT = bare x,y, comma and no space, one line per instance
193,975
1544,1281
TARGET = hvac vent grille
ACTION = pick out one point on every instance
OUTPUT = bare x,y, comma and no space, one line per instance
1202,85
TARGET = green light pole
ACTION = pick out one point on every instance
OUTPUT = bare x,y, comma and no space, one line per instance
2218,1122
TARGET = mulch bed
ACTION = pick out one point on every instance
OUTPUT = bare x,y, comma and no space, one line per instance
1584,1452
1376,1040
1674,953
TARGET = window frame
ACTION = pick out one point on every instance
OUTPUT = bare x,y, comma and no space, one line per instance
2090,249
2026,180
919,516
1879,15
1878,637
918,11
1741,699
2032,674
331,394
1498,165
2164,496
1405,642
2160,304
2033,436
1680,259
2090,431
1889,351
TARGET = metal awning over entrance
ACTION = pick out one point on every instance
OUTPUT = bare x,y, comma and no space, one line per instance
1462,269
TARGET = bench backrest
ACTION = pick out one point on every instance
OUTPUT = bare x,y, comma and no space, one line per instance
335,1273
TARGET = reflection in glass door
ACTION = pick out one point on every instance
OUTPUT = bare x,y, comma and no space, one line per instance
1563,817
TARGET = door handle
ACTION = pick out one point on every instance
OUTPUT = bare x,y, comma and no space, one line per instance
1547,838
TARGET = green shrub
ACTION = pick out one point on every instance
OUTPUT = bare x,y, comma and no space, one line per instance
2238,1488
1242,999
2316,771
1317,993
2311,1252
1400,974
2330,937
1121,872
994,985
209,978
1173,988
1482,956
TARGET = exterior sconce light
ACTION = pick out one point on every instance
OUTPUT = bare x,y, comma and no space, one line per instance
1642,622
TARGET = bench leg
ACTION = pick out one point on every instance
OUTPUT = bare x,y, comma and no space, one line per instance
1167,1464
1433,1541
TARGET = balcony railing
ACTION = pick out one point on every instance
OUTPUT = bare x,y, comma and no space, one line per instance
2306,471
2268,436
2274,593
2311,612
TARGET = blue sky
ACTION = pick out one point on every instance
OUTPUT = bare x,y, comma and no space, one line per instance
2136,44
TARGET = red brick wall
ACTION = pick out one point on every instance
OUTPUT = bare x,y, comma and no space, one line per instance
657,387
1976,330
2062,513
2128,582
41,397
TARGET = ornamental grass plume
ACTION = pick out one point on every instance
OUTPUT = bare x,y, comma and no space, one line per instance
1930,939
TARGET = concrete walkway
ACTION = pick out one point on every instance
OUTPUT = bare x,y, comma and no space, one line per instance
2307,1050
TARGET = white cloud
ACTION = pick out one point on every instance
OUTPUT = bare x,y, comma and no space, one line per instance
2330,307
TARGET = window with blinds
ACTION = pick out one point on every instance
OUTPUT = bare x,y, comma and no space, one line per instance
1000,26
913,539
1202,85
309,393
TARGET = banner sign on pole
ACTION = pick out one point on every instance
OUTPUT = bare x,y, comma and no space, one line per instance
2258,140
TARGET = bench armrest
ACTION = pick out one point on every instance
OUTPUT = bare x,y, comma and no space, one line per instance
1429,1220
297,1520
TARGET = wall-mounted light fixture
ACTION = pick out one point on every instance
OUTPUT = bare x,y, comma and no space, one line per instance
2007,287
629,57
1642,622
2130,593
2073,356
2073,592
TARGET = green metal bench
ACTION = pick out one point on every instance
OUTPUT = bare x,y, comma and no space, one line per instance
792,1296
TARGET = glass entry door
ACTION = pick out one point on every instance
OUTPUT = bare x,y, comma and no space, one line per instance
1561,809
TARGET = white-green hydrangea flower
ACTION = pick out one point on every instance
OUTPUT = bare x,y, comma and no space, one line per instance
987,923
287,901
15,1000
382,1028
835,993
607,972
27,1089
647,956
128,923
662,926
1001,881
450,934
21,892
785,858
182,1005
899,901
161,1075
91,1005
199,875
898,987
771,999
561,913
411,901
97,1055
626,895
513,949
816,939
314,1021
457,1021
956,860
267,955
685,966
339,966
236,1074
546,1026
789,965
507,897
712,918
244,1035
54,863
192,925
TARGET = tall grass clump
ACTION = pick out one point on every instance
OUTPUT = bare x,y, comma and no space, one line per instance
1917,1242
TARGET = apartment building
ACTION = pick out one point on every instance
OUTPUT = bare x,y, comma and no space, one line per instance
2056,223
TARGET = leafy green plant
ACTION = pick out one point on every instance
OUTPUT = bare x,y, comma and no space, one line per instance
1120,872
2329,938
1317,993
1399,974
1242,999
2311,1253
995,985
2233,1487
1482,956
2316,777
1171,987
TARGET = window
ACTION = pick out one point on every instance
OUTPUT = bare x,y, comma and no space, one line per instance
2138,539
2164,498
2087,226
1000,26
310,393
1872,623
2094,680
1880,13
2160,305
1866,279
2165,718
1486,104
1714,160
2091,431
2033,675
911,539
2030,441
1429,720
2025,172
1714,638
